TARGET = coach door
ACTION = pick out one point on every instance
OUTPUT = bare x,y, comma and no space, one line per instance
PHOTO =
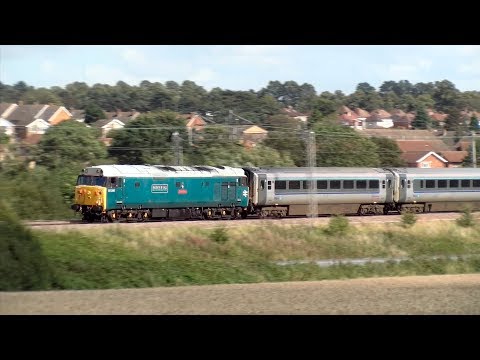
262,189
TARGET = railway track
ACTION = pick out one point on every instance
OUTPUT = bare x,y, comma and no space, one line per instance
354,219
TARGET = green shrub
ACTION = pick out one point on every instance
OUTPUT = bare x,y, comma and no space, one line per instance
23,265
408,219
337,225
466,220
219,235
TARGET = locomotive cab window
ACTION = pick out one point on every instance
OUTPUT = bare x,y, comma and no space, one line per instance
242,181
137,184
113,183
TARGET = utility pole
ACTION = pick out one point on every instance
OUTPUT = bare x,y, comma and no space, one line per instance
312,163
177,148
474,151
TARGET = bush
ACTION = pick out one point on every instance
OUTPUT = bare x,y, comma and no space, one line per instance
408,219
466,220
23,265
337,225
219,235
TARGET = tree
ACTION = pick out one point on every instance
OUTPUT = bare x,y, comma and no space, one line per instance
342,146
69,142
93,112
388,152
473,126
147,139
422,120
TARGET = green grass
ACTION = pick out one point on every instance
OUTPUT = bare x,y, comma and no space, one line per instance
119,257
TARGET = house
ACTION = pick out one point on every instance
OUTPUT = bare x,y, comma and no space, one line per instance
6,127
428,160
36,118
78,115
6,109
378,119
106,125
347,117
454,158
430,154
291,112
362,115
124,116
254,135
195,122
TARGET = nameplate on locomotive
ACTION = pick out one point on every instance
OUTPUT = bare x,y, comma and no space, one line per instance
159,188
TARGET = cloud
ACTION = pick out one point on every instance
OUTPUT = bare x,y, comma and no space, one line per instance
47,67
472,68
203,75
403,71
134,56
98,73
468,50
250,55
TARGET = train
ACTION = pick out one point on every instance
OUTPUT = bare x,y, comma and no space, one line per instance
113,193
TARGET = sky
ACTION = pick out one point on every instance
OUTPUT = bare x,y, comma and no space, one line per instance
241,67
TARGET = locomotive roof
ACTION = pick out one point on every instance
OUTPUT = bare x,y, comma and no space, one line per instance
162,171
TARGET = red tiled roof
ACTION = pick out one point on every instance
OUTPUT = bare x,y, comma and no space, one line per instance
454,156
422,146
362,113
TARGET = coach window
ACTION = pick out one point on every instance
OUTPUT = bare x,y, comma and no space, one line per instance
177,184
322,184
280,185
383,184
454,183
269,185
442,184
476,183
294,185
361,184
430,184
348,184
373,184
465,183
334,184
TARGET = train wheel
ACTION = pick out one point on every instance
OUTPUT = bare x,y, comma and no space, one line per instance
244,214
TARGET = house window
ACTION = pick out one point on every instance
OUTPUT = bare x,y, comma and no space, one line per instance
426,164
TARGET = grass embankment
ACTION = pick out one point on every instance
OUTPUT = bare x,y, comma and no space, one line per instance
119,257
